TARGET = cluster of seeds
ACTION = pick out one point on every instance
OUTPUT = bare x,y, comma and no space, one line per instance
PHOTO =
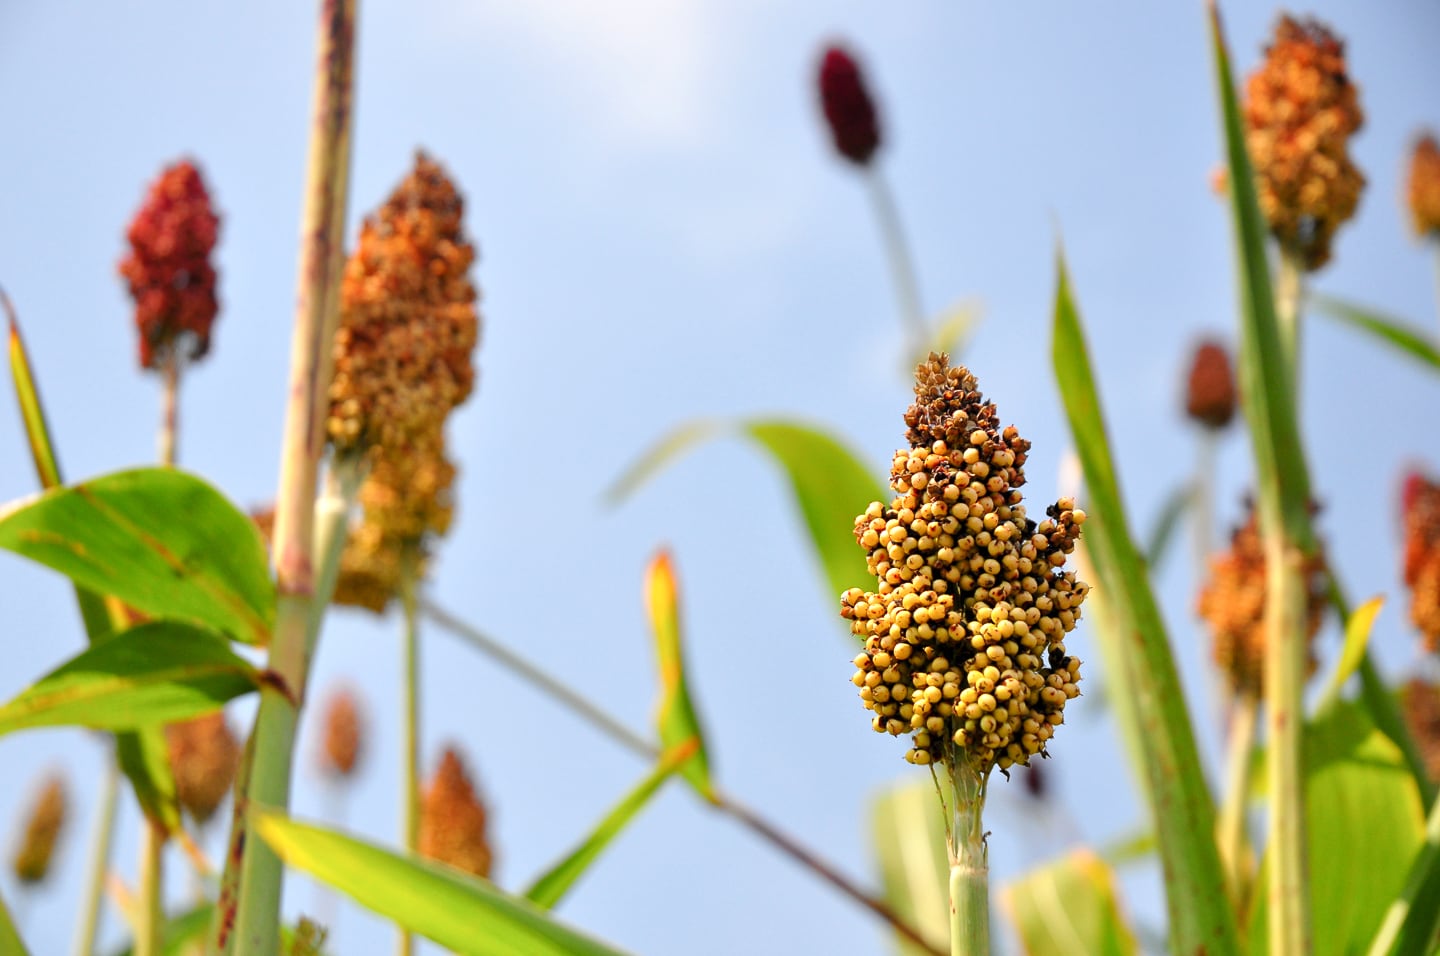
1422,556
1420,702
342,734
1422,190
1233,603
452,819
204,756
964,634
1300,112
369,566
849,111
1210,398
43,825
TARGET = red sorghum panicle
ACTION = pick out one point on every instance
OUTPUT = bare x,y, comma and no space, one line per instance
452,819
1421,502
1422,190
964,634
204,756
1232,602
1210,398
343,734
1300,112
43,824
168,269
848,108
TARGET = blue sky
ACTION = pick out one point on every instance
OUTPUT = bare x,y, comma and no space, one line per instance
664,234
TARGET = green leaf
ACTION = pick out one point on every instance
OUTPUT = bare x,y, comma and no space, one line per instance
950,332
1412,922
471,916
153,674
1363,817
1401,336
10,942
182,934
1200,917
908,830
1357,638
828,482
1137,846
161,541
144,758
676,719
1069,906
1177,504
32,413
555,882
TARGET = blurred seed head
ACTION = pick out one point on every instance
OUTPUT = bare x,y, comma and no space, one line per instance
204,756
452,819
964,633
1420,702
1300,111
168,268
1211,398
1421,502
369,575
42,827
342,734
849,111
1422,189
1232,602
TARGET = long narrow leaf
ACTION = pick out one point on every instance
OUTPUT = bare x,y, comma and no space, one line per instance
1069,906
1177,504
1403,337
1200,917
554,883
464,914
149,675
908,834
1413,920
10,942
1357,639
677,721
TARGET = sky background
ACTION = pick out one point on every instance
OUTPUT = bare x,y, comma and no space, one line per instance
665,233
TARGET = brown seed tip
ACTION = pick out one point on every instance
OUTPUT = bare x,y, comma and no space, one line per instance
849,111
343,734
168,268
1210,398
204,756
43,824
1422,189
452,819
1300,112
1421,501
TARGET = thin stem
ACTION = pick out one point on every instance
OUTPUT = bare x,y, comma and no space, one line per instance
170,408
1202,500
969,863
149,918
253,909
572,700
410,721
1435,244
897,251
1231,833
99,860
1289,290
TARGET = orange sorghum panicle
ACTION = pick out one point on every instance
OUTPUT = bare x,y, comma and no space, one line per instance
964,633
1421,501
1422,190
343,734
42,830
1210,398
1233,603
1300,112
204,756
1420,700
168,269
453,820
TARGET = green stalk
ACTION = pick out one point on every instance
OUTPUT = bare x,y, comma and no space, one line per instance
897,252
1231,832
410,720
170,408
99,860
149,917
969,862
248,921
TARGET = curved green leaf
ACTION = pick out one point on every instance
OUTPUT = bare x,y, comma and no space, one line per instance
1069,906
470,916
161,541
676,719
1179,502
1412,922
10,942
949,332
153,674
1405,338
908,836
555,882
1200,916
1357,638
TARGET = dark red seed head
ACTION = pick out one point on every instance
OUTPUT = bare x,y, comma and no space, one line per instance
848,107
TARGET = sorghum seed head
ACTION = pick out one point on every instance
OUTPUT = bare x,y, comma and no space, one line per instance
1420,701
949,629
342,734
1421,500
1210,398
1233,603
168,268
1422,189
204,756
1300,112
848,108
452,819
43,825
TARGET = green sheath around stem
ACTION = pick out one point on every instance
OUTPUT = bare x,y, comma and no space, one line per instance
969,863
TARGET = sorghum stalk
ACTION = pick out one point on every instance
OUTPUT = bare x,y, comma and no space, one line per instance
169,414
255,911
99,860
969,862
1231,832
149,916
410,720
897,251
1289,292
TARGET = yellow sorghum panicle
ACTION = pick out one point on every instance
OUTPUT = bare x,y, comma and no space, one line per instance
1422,556
1233,603
1420,700
204,756
452,819
964,633
1300,111
42,830
408,322
1422,191
343,734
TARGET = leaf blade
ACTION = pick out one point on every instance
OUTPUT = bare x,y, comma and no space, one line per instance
1402,336
1069,906
908,838
676,719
